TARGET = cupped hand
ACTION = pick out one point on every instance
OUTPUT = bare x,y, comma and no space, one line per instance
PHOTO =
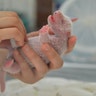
32,75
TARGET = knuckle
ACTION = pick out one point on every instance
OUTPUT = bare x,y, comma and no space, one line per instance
15,20
16,31
58,64
16,34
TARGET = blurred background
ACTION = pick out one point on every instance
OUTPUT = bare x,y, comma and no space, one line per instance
80,64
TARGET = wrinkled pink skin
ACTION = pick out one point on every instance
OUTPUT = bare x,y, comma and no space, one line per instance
57,23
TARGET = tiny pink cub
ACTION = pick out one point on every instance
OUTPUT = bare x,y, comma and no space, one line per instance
60,25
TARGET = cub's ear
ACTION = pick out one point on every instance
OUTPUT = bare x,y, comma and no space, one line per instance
74,19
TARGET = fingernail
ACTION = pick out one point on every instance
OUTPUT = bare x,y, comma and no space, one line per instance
46,47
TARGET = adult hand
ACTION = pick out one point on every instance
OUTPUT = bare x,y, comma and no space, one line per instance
29,75
11,27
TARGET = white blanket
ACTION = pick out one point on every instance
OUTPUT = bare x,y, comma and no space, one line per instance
51,87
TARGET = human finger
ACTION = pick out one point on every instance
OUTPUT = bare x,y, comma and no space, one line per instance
11,14
32,34
54,58
71,44
8,33
12,20
26,74
8,14
74,19
37,62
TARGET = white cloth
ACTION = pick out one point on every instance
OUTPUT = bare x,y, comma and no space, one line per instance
51,87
